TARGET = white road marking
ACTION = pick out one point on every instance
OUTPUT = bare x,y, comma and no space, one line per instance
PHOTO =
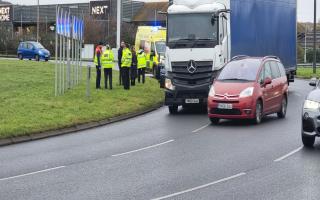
201,128
289,154
32,173
145,148
201,187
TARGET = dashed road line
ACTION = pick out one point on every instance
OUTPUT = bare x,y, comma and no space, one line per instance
200,187
32,173
201,128
142,149
289,154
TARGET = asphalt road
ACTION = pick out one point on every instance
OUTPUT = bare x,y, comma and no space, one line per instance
158,156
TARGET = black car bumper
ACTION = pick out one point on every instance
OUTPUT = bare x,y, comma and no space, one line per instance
310,123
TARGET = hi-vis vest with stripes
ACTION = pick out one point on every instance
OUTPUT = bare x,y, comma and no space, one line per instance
142,60
126,60
107,59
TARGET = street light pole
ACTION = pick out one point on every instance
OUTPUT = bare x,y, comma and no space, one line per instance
315,38
305,44
119,2
38,21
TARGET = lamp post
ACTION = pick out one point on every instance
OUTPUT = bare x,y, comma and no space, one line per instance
305,44
119,5
38,8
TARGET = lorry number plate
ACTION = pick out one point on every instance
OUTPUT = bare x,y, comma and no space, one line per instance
192,101
225,106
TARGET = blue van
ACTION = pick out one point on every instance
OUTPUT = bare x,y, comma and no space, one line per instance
32,50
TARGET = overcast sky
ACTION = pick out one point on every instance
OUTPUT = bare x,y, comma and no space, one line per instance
305,7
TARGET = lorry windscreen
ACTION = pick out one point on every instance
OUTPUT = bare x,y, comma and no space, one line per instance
192,30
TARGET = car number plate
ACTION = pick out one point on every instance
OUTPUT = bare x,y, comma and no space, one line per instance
192,101
225,106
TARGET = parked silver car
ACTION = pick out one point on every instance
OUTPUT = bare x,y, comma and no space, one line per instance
311,115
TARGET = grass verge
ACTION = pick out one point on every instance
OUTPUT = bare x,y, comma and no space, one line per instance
307,73
28,105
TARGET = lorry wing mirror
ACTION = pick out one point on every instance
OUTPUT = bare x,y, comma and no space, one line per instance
224,16
214,19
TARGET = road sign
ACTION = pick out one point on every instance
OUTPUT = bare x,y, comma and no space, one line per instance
100,9
6,13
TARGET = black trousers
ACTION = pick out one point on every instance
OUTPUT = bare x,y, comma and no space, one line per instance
133,74
142,73
108,74
98,78
120,73
126,77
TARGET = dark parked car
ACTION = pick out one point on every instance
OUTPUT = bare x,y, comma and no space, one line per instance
311,115
32,50
249,88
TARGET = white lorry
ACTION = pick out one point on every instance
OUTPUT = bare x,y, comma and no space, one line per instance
199,42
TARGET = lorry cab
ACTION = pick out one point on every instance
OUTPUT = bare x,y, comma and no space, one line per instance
198,46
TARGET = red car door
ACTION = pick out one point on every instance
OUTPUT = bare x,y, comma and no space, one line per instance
277,86
267,90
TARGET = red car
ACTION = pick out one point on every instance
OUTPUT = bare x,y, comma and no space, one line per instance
249,88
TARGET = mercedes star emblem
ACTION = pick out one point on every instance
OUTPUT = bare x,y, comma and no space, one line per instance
192,67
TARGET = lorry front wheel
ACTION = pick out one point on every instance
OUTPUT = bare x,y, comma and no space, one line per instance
173,109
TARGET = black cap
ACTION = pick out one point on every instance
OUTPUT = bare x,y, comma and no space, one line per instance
100,43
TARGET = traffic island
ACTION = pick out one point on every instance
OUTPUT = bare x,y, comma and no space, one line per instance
30,111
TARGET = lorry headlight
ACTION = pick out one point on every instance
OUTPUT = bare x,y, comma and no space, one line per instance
248,92
311,105
212,92
169,85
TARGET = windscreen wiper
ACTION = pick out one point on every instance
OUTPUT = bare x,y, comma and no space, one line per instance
201,39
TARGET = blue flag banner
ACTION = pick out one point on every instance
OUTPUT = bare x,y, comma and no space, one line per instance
79,31
73,24
57,21
75,28
69,25
65,24
61,23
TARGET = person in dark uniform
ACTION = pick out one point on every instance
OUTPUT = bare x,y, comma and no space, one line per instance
97,61
142,64
133,67
107,62
126,62
120,60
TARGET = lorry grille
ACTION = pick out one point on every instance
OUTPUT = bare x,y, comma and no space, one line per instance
202,75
